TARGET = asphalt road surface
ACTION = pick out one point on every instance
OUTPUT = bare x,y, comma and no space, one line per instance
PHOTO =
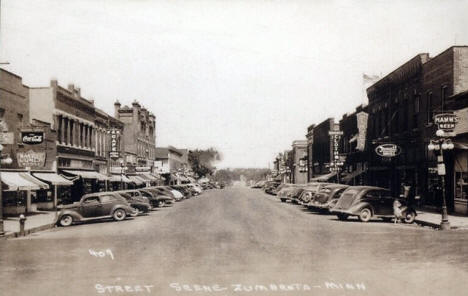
236,241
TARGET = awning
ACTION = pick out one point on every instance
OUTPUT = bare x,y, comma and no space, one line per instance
15,181
53,178
147,177
137,180
352,175
87,174
119,178
38,182
460,145
323,178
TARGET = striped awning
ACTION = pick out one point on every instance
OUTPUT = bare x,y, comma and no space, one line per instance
137,180
38,182
16,181
53,178
119,178
87,174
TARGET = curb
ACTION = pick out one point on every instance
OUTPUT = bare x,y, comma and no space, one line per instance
427,223
29,231
437,225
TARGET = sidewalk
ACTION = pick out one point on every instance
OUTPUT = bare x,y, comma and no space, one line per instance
433,220
37,222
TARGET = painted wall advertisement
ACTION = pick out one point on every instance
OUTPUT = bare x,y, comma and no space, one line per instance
31,159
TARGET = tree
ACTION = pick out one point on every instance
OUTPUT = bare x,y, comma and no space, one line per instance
202,161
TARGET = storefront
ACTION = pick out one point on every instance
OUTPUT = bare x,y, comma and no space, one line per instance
19,190
84,182
59,190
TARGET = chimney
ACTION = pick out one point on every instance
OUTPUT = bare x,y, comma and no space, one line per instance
116,109
54,83
71,87
78,92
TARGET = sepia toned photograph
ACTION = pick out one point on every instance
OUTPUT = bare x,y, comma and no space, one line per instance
233,147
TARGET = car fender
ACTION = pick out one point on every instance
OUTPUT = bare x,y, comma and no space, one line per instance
356,209
75,215
127,209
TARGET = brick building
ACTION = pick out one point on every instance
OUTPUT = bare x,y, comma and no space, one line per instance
139,137
321,149
401,109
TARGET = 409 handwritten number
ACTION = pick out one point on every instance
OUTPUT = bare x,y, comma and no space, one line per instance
102,254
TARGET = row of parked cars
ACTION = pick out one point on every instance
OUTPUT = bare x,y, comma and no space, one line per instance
118,205
363,202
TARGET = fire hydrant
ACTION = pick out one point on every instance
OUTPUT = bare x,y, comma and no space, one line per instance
22,221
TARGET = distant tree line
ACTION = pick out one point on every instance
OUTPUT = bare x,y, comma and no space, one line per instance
230,175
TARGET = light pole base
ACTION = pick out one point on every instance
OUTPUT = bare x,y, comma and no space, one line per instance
444,225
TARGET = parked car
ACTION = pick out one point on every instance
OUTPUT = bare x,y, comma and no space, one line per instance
182,189
367,202
328,196
270,187
283,191
258,184
309,192
156,198
295,193
136,200
95,206
167,191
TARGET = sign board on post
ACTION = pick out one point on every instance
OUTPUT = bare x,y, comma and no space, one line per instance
446,121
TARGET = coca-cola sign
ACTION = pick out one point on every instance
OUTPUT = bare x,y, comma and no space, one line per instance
32,138
388,150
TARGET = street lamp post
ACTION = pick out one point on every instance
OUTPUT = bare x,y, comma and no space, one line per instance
442,144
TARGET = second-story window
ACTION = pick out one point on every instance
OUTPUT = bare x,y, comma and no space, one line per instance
20,119
416,109
443,97
429,107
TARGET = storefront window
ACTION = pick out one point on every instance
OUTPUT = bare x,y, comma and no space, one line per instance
14,198
461,190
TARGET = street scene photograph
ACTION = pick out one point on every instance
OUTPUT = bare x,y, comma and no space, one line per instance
233,147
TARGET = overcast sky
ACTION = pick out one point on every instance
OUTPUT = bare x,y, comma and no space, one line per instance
246,77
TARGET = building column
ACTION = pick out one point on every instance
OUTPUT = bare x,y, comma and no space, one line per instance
62,129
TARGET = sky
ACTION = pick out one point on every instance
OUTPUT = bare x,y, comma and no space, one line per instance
246,77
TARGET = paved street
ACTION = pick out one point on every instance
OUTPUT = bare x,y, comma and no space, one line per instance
236,236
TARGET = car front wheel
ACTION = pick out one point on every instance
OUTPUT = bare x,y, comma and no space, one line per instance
66,220
365,215
119,215
410,216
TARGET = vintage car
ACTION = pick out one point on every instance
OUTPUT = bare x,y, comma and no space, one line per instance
270,187
156,198
283,191
295,193
136,200
309,192
327,197
367,202
186,193
94,206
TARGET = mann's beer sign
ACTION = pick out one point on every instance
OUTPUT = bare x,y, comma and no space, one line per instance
446,121
388,150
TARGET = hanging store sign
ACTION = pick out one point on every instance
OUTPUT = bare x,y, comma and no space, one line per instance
446,121
32,138
388,150
31,159
114,152
335,139
361,118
